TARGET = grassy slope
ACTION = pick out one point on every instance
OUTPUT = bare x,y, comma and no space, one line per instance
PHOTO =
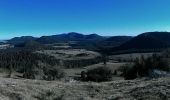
77,71
21,89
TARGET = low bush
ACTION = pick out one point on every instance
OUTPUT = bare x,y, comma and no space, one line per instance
53,74
99,74
124,69
46,73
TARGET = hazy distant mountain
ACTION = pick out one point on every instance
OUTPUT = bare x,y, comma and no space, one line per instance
2,42
73,36
94,37
149,40
23,39
119,38
47,39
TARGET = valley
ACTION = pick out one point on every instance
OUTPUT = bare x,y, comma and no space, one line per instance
74,66
84,50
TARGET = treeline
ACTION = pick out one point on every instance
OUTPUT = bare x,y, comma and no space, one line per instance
24,58
32,65
154,66
81,62
137,51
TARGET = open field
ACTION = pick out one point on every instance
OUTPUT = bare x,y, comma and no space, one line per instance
71,54
139,89
75,72
111,65
130,56
60,45
73,58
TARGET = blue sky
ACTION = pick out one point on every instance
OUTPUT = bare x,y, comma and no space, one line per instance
105,17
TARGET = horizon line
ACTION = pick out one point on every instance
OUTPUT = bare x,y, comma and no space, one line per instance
85,33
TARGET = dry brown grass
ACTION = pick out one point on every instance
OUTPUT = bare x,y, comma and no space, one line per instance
77,71
131,56
139,89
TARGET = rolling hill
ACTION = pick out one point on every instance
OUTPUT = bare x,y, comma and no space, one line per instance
20,40
148,40
115,41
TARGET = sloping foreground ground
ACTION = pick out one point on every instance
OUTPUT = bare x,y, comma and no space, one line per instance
139,89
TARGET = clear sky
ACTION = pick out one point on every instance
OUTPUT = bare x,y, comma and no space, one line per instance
105,17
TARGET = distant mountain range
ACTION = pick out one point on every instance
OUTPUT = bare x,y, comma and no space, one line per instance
73,36
148,40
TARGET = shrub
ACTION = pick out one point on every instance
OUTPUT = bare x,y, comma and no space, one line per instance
29,75
115,72
46,73
143,66
83,76
53,73
124,69
99,74
129,71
